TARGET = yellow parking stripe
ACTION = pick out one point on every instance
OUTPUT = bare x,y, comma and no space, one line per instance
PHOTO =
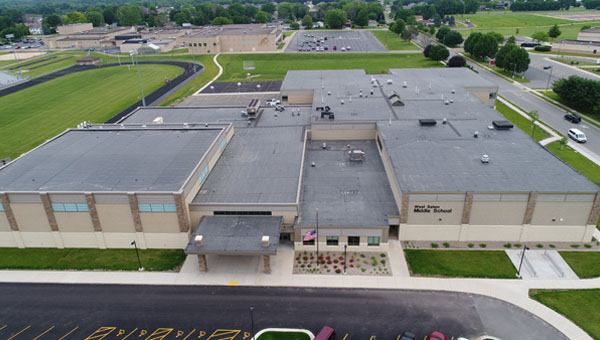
66,335
129,334
48,330
21,331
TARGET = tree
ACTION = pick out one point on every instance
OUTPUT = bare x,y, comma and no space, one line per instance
268,8
52,20
398,26
457,61
442,33
294,26
554,32
307,21
261,17
75,18
453,38
499,37
535,116
250,11
511,40
219,21
563,142
110,14
471,6
578,92
406,35
481,45
437,20
432,30
404,14
362,18
540,36
426,50
335,18
95,18
439,52
130,15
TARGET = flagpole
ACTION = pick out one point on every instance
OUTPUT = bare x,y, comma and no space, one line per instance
318,262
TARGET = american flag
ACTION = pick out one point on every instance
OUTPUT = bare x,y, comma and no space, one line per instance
310,235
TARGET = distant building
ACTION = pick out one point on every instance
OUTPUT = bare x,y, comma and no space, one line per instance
588,41
591,34
85,36
162,10
373,23
34,28
89,60
233,38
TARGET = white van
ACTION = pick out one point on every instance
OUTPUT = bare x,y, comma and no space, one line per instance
577,135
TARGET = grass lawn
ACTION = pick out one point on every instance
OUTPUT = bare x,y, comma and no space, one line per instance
287,34
579,306
283,336
31,116
177,51
460,263
280,46
392,41
563,54
513,20
578,62
586,167
274,66
520,121
568,31
87,259
8,62
585,264
210,71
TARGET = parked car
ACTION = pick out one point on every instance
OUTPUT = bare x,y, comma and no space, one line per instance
408,336
273,102
547,67
279,108
577,135
343,49
436,336
348,48
573,118
334,48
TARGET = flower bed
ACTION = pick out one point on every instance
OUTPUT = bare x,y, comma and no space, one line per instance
332,263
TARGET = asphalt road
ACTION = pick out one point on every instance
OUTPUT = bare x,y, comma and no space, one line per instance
538,77
103,312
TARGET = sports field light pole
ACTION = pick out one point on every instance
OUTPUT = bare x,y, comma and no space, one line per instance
138,256
252,321
522,258
139,74
549,76
10,37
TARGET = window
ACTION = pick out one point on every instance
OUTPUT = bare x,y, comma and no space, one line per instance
308,243
157,207
195,44
492,95
353,240
373,241
70,207
190,44
1,207
332,240
214,44
203,175
204,44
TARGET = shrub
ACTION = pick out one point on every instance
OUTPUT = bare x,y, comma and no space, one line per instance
363,270
382,255
374,262
575,246
305,258
426,50
336,261
358,265
587,245
351,260
329,270
539,245
518,245
337,271
302,266
482,245
446,245
457,61
552,246
543,48
507,245
308,265
470,245
363,255
383,261
340,258
434,245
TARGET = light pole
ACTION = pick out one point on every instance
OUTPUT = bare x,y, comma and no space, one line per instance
194,60
522,258
10,36
345,257
139,74
140,268
549,76
252,321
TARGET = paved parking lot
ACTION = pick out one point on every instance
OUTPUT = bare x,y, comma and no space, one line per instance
334,41
243,87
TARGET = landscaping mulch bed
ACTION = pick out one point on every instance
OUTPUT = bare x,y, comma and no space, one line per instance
332,263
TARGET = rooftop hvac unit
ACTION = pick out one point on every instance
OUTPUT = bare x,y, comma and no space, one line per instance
265,241
502,124
404,84
485,159
389,81
427,122
357,155
198,240
158,120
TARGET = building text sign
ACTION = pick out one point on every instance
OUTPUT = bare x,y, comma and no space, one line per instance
436,209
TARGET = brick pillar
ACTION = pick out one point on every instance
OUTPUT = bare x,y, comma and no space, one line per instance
404,209
182,216
466,215
49,212
135,213
267,262
530,208
202,262
595,213
89,198
8,212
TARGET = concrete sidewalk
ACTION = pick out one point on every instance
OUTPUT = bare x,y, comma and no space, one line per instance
248,272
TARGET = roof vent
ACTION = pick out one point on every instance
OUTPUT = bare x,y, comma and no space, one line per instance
324,146
445,121
475,134
485,159
427,122
158,120
447,102
198,240
265,241
404,84
389,81
313,164
451,101
453,91
329,93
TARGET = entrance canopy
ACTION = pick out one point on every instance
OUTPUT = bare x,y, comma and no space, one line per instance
236,235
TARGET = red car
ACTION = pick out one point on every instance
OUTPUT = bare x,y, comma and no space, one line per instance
436,336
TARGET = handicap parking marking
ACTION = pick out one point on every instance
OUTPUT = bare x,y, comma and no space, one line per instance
224,334
159,334
42,334
19,332
101,333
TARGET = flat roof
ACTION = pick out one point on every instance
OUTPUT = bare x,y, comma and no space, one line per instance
259,165
236,235
579,42
592,30
250,29
180,115
347,193
111,159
